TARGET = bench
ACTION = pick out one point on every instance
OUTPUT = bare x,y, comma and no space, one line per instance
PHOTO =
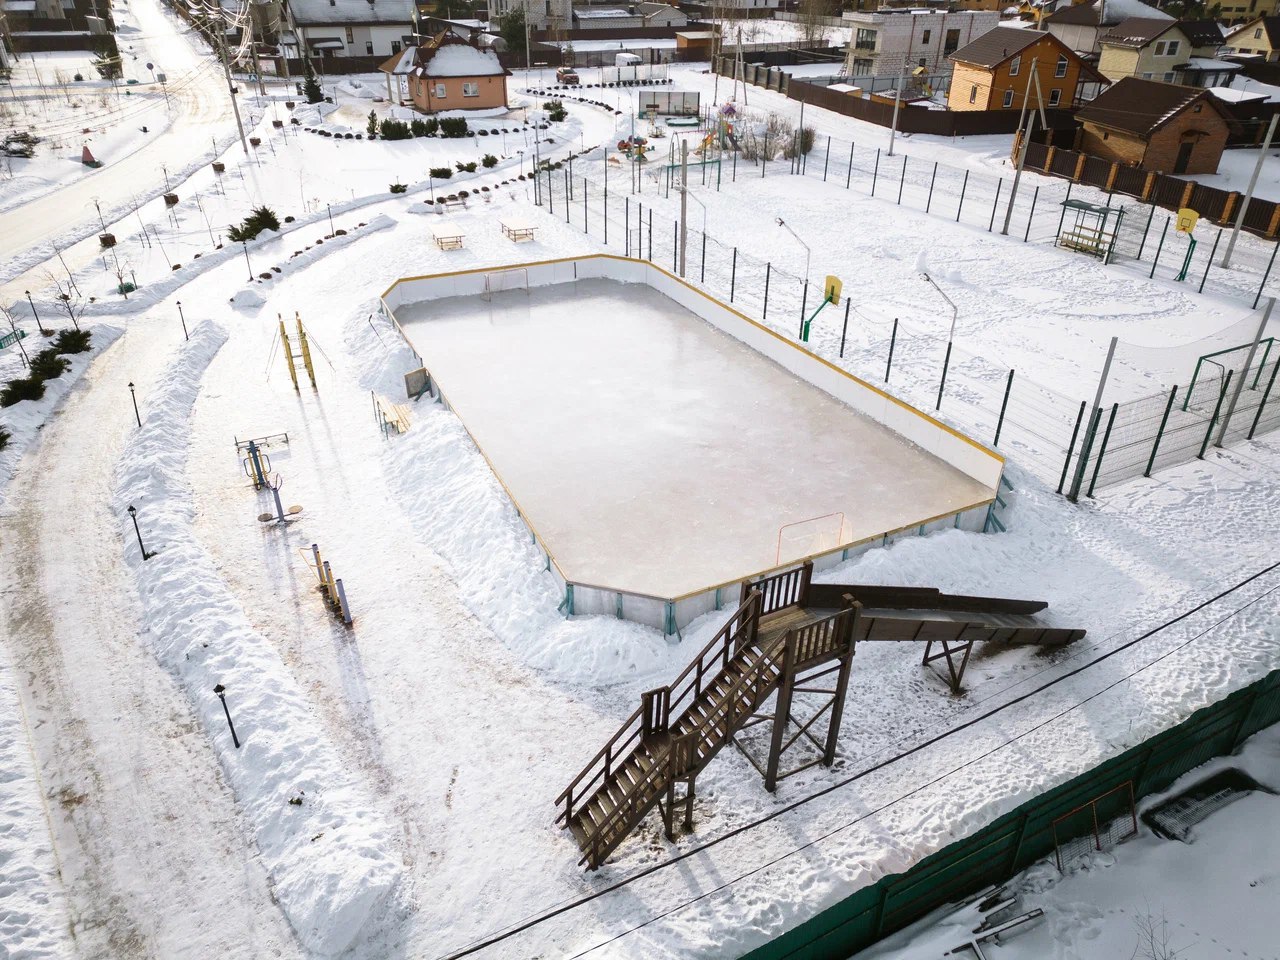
517,232
446,241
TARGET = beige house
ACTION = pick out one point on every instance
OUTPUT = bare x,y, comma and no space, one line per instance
1258,37
1171,51
994,72
448,73
1080,25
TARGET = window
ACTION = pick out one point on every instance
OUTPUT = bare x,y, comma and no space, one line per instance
1196,108
973,93
1014,65
350,38
921,62
924,38
471,89
395,46
1055,97
1105,135
1168,78
1008,99
1061,70
1167,48
952,43
864,40
368,46
440,91
1257,34
1146,76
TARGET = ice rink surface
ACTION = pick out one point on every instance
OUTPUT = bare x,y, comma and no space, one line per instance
653,453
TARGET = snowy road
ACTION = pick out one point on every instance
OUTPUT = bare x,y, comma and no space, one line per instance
202,110
153,860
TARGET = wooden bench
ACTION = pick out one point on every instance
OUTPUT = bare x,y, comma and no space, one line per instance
448,241
517,232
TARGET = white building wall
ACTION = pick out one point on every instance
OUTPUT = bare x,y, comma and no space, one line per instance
539,14
907,40
1078,36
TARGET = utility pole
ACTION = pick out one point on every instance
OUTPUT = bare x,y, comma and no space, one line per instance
1022,147
226,70
897,102
1248,196
684,203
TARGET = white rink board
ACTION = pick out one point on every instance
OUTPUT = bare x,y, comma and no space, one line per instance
654,454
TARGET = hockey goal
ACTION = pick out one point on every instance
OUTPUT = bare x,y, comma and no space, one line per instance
808,538
516,278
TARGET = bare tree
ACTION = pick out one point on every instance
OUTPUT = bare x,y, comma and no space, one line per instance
68,298
4,311
1153,939
812,15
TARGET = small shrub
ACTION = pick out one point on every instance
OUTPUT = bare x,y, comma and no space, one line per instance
555,111
395,130
441,173
398,188
418,127
489,160
454,127
433,126
463,194
264,276
5,436
47,365
372,127
466,167
72,341
262,218
26,388
483,133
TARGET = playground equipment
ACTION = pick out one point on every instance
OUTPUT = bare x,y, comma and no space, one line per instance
281,516
1091,232
788,633
635,148
1187,220
335,597
304,355
830,295
257,465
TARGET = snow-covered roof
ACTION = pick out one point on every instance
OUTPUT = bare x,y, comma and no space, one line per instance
309,12
19,6
403,63
1211,63
602,14
1231,95
462,60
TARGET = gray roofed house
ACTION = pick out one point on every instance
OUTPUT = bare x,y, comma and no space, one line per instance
1079,26
347,28
1259,37
1169,50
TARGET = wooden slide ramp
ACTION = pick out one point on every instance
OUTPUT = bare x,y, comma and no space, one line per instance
787,632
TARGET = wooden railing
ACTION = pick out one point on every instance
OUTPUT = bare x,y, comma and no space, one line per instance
791,587
658,705
822,638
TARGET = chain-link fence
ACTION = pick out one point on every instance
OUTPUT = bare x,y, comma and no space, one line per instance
1058,437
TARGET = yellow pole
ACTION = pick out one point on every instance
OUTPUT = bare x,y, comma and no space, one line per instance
288,353
306,352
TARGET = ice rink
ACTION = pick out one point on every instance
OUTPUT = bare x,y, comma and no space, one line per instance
652,453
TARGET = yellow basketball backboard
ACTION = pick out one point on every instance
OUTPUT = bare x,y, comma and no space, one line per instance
1187,219
832,289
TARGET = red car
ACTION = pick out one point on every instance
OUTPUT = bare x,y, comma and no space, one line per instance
566,75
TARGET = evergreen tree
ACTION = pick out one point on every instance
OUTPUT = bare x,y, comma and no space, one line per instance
311,86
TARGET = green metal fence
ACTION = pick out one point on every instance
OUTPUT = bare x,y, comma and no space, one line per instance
1025,835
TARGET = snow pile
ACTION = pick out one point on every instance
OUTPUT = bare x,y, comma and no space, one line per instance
32,913
24,420
462,60
354,88
329,853
462,513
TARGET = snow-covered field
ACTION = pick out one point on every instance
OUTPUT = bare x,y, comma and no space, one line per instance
425,746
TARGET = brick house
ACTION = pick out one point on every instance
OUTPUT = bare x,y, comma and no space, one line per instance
994,71
448,73
1156,126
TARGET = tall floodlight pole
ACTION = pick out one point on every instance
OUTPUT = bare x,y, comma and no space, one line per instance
1248,195
897,102
684,203
808,254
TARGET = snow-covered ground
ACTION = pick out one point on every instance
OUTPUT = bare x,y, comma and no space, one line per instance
1210,898
426,744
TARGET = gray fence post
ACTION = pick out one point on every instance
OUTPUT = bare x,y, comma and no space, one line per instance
875,172
1209,263
849,176
964,186
928,203
893,339
1063,218
845,329
903,181
995,203
1086,447
1156,260
1030,216
1146,230
1274,248
733,276
764,314
826,161
1004,404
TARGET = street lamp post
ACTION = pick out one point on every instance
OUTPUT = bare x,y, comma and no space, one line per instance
185,335
328,210
951,335
43,331
134,395
245,246
807,252
221,691
133,515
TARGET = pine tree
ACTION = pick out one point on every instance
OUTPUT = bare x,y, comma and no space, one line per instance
311,86
372,128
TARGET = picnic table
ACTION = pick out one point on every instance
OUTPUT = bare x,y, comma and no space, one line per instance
448,241
517,231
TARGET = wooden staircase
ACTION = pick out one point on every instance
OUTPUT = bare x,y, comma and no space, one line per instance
786,632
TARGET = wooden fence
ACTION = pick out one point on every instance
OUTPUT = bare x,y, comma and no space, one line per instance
1161,189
